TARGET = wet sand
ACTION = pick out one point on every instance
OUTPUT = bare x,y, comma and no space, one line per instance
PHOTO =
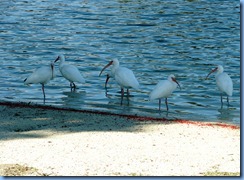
46,141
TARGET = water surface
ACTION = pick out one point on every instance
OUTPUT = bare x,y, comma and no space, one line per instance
153,38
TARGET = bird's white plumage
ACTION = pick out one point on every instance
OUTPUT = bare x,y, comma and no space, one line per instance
224,81
70,72
42,75
124,76
163,89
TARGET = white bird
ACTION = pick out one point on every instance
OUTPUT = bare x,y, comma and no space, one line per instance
123,76
69,72
42,75
223,81
164,89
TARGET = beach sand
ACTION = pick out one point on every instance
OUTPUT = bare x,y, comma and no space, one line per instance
46,141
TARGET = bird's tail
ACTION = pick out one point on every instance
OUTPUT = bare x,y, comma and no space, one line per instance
136,86
82,80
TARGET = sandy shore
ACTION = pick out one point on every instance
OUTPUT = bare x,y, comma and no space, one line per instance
44,141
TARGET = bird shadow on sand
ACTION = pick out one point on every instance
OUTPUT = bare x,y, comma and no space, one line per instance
22,120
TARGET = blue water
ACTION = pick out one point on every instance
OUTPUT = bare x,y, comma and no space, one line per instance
153,38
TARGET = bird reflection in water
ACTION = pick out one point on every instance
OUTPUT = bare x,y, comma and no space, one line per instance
73,98
225,114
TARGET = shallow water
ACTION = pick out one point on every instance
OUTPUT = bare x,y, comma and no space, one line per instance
152,38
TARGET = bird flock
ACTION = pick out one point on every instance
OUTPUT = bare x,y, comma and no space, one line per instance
125,78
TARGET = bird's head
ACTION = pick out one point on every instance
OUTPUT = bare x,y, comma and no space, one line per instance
172,78
114,62
60,57
219,68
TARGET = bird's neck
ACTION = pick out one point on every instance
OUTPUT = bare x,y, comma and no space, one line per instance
219,72
114,68
61,63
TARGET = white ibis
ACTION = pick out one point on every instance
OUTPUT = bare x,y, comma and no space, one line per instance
123,76
42,75
223,82
69,72
164,89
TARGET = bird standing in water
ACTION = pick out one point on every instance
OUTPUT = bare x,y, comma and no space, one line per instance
164,89
223,81
69,72
42,75
123,76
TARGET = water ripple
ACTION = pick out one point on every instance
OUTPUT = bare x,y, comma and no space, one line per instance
153,38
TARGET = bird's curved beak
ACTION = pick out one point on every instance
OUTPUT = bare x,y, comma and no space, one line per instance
107,81
110,63
176,82
56,59
215,69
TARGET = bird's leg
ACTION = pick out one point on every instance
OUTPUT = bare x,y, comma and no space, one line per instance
221,96
128,93
166,102
43,91
74,86
221,106
228,100
122,95
71,87
159,104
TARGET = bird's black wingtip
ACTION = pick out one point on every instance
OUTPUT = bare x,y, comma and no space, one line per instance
25,79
